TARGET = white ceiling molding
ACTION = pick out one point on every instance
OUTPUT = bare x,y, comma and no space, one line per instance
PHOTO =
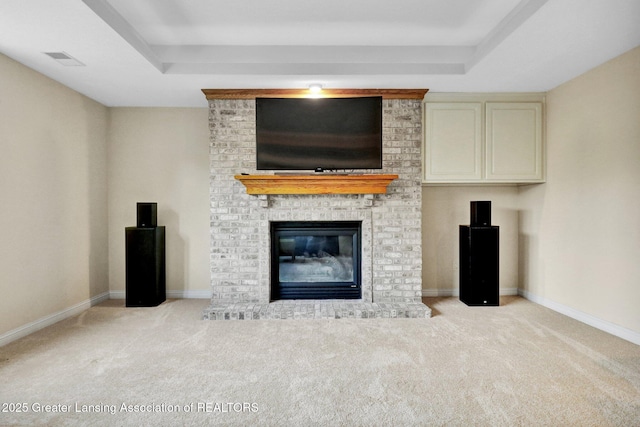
163,52
517,17
313,59
109,15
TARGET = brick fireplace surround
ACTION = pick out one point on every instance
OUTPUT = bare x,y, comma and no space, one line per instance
391,223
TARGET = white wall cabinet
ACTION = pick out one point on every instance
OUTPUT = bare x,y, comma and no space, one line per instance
453,141
513,141
483,142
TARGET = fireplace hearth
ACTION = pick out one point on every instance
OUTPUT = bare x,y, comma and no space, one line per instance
315,260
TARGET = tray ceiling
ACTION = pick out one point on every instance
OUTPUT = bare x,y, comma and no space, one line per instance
161,53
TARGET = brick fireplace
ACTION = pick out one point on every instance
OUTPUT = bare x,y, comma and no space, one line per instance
391,253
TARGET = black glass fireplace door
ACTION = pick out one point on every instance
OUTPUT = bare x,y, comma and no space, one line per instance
315,260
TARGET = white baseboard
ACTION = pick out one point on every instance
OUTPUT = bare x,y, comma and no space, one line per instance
42,323
603,325
32,327
189,294
434,293
170,294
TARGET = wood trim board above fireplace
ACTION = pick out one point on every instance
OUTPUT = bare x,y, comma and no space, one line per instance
304,93
316,184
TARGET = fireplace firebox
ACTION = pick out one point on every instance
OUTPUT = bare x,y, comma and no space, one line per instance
316,260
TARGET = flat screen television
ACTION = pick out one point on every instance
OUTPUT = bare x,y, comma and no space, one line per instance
318,133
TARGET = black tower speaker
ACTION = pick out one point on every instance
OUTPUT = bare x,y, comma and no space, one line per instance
147,215
145,266
480,214
479,265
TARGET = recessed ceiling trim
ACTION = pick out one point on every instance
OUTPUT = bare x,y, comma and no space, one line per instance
191,54
521,13
335,69
109,15
560,41
313,60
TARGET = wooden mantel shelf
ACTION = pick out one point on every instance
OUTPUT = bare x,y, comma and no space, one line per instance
304,93
316,184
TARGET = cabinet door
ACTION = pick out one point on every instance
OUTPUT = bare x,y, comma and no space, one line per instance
453,142
514,141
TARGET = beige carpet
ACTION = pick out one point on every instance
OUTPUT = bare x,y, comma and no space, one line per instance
519,364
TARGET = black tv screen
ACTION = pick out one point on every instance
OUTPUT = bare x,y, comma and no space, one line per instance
312,133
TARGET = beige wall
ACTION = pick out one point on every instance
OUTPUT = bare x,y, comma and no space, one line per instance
162,155
580,232
53,192
574,240
444,208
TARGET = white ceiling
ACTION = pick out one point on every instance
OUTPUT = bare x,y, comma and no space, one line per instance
162,52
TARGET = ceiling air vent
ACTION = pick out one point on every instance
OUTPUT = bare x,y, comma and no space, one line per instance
65,59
